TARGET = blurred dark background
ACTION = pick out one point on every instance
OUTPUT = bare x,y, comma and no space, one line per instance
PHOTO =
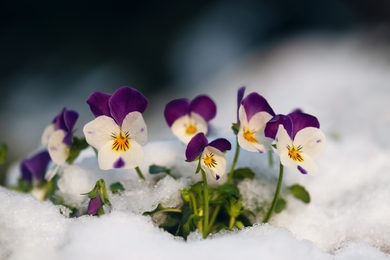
56,53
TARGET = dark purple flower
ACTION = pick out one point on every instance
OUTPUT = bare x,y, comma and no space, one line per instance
119,131
187,118
211,155
35,167
254,113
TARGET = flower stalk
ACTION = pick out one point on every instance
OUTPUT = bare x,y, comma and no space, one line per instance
205,230
278,186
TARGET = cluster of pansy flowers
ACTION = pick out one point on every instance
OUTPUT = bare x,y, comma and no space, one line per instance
118,133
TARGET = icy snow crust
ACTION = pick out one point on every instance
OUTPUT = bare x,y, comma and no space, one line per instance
341,81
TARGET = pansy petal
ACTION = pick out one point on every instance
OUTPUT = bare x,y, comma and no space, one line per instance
240,96
283,141
254,103
135,126
302,120
98,103
58,150
213,162
195,146
126,100
204,106
100,131
47,133
221,144
308,166
37,164
312,140
260,145
70,118
242,115
110,159
176,109
26,173
272,126
94,205
186,127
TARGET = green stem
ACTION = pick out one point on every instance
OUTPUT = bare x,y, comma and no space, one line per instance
205,205
214,215
140,175
231,222
270,159
276,195
237,153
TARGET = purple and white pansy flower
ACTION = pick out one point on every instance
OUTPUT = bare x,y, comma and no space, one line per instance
298,140
254,112
211,155
187,118
58,135
119,131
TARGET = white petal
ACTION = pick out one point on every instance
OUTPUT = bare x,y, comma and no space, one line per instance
308,165
131,158
47,133
58,150
312,140
242,115
245,144
258,121
179,127
220,162
100,130
282,140
134,124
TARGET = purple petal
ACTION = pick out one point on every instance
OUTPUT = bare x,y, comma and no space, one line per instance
176,109
26,174
301,120
119,163
221,144
37,165
126,100
254,103
302,170
95,204
204,106
59,120
98,103
196,146
70,118
240,96
271,128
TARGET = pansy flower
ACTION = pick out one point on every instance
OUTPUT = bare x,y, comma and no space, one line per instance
211,155
33,169
58,135
187,118
298,140
254,113
119,131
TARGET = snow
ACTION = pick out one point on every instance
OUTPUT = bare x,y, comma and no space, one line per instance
341,80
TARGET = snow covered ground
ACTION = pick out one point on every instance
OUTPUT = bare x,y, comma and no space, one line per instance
344,81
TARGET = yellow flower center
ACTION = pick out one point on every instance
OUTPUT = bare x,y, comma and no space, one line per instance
190,129
295,153
209,161
121,142
249,135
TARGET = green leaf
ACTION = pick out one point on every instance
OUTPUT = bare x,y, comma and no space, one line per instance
3,152
115,187
243,173
229,189
77,146
280,205
300,193
154,169
234,207
235,128
160,208
190,225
